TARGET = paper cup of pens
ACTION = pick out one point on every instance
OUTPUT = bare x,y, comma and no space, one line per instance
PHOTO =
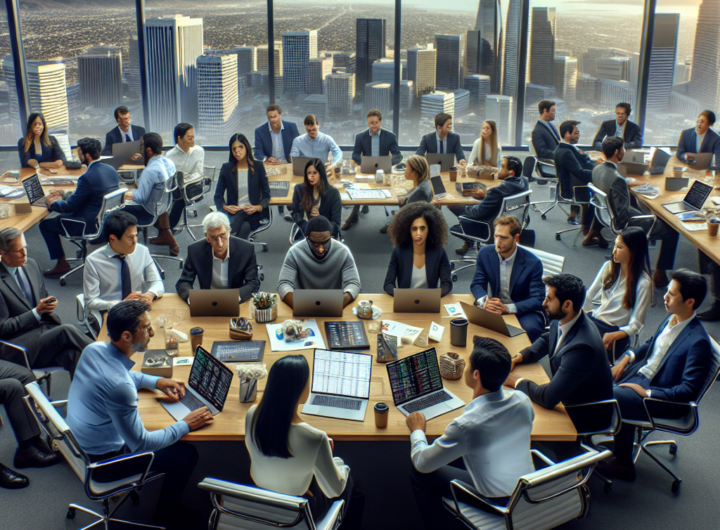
263,307
249,374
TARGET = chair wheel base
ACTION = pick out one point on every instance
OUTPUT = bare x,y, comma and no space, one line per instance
675,486
71,513
608,488
543,217
63,283
454,277
673,449
265,248
557,237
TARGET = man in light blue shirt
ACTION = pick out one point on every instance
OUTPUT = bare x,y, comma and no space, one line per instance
102,408
316,144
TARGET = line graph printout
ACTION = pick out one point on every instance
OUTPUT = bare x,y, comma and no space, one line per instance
341,372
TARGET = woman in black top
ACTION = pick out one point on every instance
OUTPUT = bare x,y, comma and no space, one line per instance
38,148
315,196
243,170
419,233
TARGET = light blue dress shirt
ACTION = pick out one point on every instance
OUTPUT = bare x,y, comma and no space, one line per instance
318,148
619,130
375,144
151,185
102,408
278,148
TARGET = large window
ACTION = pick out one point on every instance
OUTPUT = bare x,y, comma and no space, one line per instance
10,130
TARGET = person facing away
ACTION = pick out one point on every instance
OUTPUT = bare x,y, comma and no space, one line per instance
288,455
273,140
623,289
242,191
486,150
630,132
102,408
79,212
316,196
545,136
700,139
417,171
319,262
316,144
221,261
492,436
443,140
121,270
37,149
124,132
418,261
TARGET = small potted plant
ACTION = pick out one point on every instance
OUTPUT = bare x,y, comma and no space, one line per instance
263,307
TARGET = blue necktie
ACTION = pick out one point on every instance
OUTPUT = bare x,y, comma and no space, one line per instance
127,137
441,146
24,287
557,134
125,281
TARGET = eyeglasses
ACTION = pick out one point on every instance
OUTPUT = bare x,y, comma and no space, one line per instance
146,330
224,235
21,251
319,244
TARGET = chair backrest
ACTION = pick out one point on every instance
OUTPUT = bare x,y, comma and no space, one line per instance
712,374
518,206
529,166
603,210
111,201
192,191
553,264
592,414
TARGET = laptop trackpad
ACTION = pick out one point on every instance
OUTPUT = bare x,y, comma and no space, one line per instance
177,410
514,331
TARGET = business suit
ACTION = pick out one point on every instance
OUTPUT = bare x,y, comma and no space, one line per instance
83,205
226,192
544,140
428,144
437,269
632,134
388,145
573,168
263,140
51,153
48,342
527,289
330,207
13,379
113,137
688,144
242,271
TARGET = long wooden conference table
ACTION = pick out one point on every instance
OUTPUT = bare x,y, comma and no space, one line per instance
229,425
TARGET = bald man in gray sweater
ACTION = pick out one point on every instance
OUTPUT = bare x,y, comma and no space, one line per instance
319,262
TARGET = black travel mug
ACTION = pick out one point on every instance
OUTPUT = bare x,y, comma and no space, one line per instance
458,332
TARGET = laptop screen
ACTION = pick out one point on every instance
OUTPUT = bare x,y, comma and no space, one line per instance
437,185
210,378
342,373
698,194
414,376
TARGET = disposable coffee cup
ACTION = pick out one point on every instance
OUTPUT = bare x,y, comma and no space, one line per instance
381,415
196,338
713,228
458,332
453,174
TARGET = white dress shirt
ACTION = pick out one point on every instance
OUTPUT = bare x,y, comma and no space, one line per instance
662,344
242,181
492,436
190,164
699,141
129,133
506,267
278,148
221,268
564,329
611,310
102,284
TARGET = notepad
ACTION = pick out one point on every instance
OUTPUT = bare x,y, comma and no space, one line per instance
369,194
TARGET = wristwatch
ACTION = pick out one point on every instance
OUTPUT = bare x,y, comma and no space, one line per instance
649,393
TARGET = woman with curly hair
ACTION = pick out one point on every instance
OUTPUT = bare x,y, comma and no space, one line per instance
315,196
419,233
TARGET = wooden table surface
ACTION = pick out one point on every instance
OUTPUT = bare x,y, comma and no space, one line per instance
230,423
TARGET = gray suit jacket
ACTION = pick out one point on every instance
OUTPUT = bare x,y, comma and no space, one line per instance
608,179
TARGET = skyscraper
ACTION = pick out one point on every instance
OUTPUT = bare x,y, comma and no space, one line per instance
340,93
318,69
663,56
436,102
421,69
705,78
542,46
100,77
566,78
613,68
407,94
511,48
462,102
218,116
479,88
499,109
369,47
612,92
489,22
473,52
447,69
133,76
344,60
246,59
173,46
384,70
378,95
298,48
262,59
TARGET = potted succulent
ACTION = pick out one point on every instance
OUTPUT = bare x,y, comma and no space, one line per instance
263,307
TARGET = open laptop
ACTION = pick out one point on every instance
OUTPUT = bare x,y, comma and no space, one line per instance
115,162
446,160
370,164
208,386
214,303
126,150
416,300
438,187
340,385
659,161
702,160
299,163
34,191
318,302
693,200
417,386
492,321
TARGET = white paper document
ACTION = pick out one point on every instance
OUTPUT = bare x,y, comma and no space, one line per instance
345,373
309,338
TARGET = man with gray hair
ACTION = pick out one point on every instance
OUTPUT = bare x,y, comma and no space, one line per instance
221,261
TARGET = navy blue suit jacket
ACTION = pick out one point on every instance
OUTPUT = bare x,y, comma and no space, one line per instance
113,137
489,208
684,368
688,144
437,269
263,140
573,169
226,191
388,145
452,142
544,141
632,134
53,153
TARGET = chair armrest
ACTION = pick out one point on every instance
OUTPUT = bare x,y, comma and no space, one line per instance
69,220
20,349
120,472
542,457
463,492
652,403
646,222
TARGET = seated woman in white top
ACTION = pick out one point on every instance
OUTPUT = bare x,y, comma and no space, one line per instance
486,150
289,456
624,288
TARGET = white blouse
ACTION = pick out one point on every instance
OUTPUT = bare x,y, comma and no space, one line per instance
611,310
312,456
242,175
419,278
476,154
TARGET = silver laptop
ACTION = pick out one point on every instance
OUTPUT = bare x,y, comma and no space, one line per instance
492,321
208,386
632,168
417,386
693,201
299,163
416,300
438,187
702,160
318,302
126,150
446,160
34,191
658,161
370,164
214,303
340,385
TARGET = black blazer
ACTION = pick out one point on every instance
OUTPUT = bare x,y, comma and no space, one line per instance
428,144
437,269
388,146
242,272
632,134
113,137
258,187
330,206
49,154
573,169
544,141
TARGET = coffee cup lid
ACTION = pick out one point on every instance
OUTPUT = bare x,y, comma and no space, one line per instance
196,331
381,407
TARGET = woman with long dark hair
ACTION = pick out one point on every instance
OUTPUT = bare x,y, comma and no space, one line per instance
316,196
289,456
37,148
242,190
624,289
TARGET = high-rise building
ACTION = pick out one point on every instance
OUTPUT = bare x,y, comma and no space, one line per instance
407,94
588,89
462,102
378,95
479,88
262,59
473,52
369,47
447,69
705,78
100,77
345,60
613,68
542,46
340,93
421,69
246,59
384,70
298,48
511,48
133,75
499,108
436,102
663,56
612,92
318,70
218,118
315,104
489,22
534,94
682,71
566,78
173,46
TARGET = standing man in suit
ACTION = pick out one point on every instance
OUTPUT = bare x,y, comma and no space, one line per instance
621,127
124,132
81,209
508,279
221,261
26,311
606,177
443,140
673,365
545,137
701,139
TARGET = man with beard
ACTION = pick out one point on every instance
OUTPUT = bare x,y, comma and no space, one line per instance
102,409
319,262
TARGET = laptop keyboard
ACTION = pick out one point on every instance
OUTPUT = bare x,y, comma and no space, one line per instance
192,402
338,403
427,402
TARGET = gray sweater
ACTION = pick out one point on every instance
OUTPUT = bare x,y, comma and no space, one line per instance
301,270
